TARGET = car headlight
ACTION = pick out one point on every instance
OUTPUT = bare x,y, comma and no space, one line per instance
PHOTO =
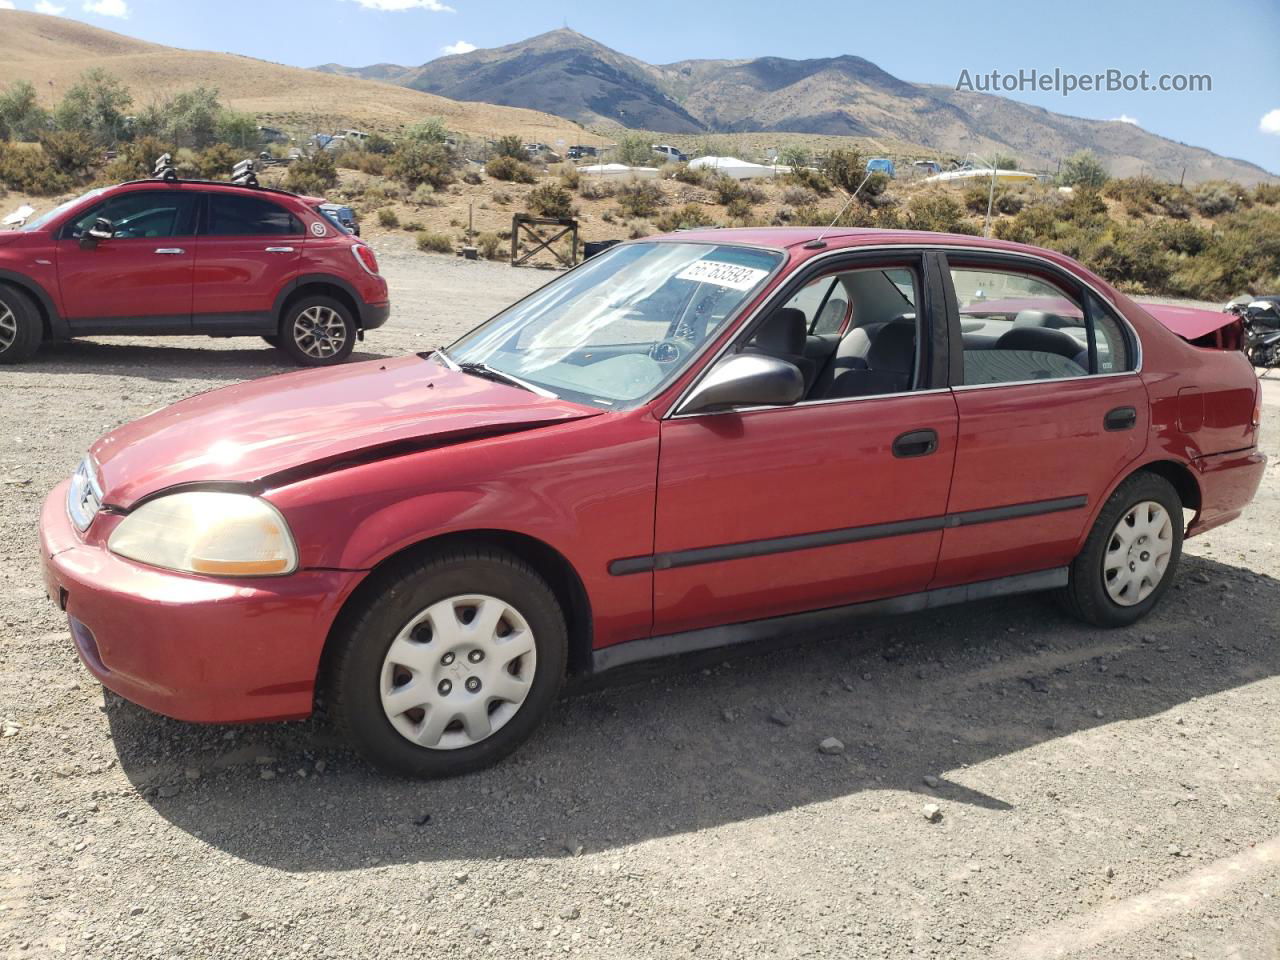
209,533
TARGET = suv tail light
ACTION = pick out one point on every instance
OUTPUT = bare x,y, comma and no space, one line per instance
364,255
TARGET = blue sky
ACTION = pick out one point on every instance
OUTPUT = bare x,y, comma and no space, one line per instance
1234,41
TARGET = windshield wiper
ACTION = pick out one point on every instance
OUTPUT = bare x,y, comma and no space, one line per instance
478,369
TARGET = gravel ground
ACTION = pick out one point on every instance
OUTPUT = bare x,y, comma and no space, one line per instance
1092,793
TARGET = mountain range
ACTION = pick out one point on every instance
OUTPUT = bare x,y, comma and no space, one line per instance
572,76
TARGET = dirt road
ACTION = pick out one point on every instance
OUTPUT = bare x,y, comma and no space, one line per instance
1101,793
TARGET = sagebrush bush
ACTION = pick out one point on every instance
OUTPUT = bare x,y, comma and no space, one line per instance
413,226
1267,193
595,188
417,162
312,175
29,170
509,146
695,176
570,178
846,169
388,218
684,218
739,208
424,195
217,162
550,200
490,246
503,167
798,196
640,198
473,177
435,242
936,211
366,161
70,151
810,179
1217,197
501,197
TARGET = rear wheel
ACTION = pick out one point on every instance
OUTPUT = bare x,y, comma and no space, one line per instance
1131,555
317,331
449,663
20,327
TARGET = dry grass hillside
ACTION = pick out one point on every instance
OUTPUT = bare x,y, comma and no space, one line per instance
52,52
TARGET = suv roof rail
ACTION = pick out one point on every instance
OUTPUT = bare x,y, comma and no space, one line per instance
243,175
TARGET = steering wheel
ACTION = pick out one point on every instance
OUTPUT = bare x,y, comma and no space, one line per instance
669,350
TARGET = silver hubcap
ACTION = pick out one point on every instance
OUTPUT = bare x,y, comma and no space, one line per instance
319,332
8,327
1138,553
458,672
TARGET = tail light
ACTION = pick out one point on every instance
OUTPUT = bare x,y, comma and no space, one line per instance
364,256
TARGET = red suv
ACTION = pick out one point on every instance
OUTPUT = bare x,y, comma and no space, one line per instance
708,438
175,257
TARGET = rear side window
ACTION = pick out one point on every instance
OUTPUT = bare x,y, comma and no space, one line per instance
233,215
1016,327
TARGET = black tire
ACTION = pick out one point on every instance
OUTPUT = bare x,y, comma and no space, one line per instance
308,351
367,630
21,329
272,341
1086,595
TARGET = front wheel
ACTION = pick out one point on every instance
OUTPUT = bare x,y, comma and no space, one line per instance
1131,554
317,331
449,663
20,328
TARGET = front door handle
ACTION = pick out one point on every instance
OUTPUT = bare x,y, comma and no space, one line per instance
916,443
171,251
1121,418
279,249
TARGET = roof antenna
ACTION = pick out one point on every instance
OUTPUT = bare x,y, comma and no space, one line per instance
819,243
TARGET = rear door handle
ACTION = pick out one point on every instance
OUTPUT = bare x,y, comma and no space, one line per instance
171,251
1121,418
916,443
279,249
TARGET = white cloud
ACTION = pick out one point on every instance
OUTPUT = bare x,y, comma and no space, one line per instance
52,9
435,6
1270,122
107,8
1125,118
460,47
7,5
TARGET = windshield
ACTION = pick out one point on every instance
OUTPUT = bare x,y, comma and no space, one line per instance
61,208
615,330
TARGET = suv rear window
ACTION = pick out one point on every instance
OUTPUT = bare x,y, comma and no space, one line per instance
232,215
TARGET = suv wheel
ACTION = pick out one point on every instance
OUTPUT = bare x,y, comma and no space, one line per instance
317,331
20,327
1131,555
449,663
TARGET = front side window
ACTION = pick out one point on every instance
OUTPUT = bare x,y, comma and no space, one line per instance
618,328
235,215
1016,327
141,213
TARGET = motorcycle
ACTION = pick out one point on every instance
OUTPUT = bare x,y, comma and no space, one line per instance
1261,331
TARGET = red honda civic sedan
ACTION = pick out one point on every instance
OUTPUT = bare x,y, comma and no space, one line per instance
688,441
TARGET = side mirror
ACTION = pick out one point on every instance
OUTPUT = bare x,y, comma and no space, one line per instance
102,229
746,380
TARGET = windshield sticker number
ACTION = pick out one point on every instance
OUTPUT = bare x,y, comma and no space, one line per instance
729,275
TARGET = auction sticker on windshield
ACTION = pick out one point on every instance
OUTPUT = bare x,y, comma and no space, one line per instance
731,275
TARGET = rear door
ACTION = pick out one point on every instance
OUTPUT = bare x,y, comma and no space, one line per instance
1051,412
139,280
250,248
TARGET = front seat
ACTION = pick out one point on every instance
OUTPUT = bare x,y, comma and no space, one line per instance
890,360
783,335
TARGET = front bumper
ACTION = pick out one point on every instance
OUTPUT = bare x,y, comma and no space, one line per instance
374,315
200,650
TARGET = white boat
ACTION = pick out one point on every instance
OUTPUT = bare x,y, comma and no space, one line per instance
618,170
982,173
738,169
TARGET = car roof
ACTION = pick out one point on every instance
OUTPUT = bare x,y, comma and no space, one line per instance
219,184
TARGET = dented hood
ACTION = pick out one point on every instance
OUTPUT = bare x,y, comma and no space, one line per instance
284,427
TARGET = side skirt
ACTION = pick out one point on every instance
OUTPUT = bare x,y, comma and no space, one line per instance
753,631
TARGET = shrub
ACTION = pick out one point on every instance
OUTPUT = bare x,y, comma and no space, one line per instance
70,151
388,218
430,130
684,218
216,162
798,196
501,197
595,188
640,199
312,175
845,168
421,161
697,176
504,167
381,145
95,105
413,226
635,150
1083,169
435,242
21,116
570,178
639,228
810,179
550,200
1217,197
490,246
27,169
424,195
811,215
937,211
739,208
794,156
374,164
473,177
509,146
1267,193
